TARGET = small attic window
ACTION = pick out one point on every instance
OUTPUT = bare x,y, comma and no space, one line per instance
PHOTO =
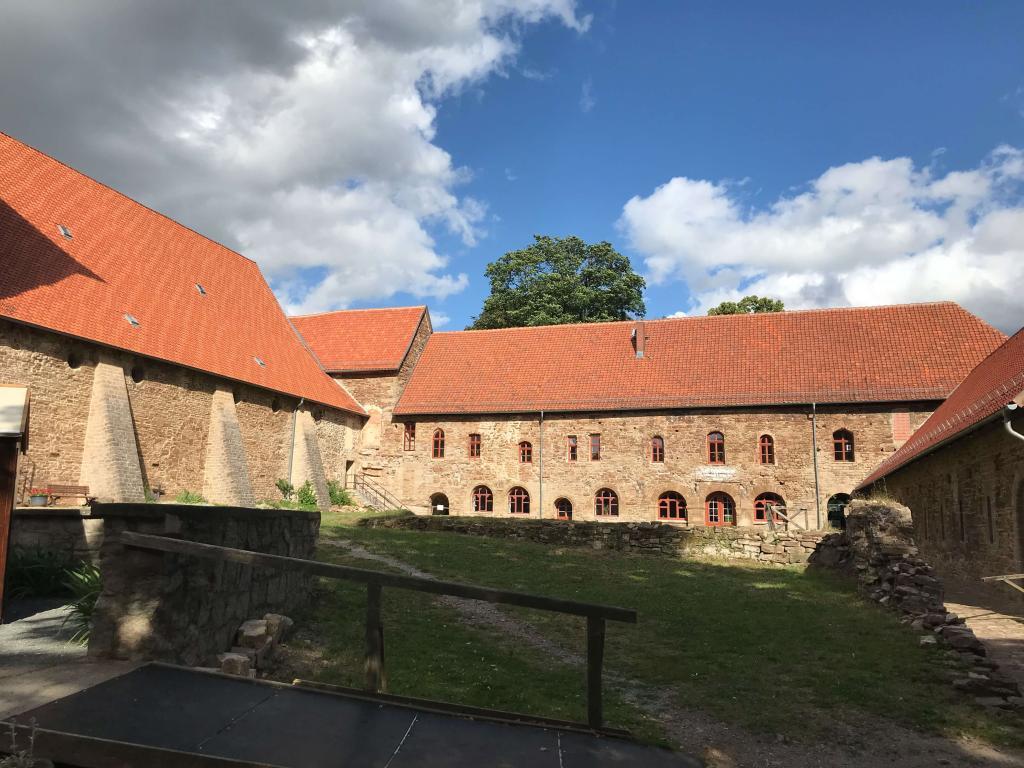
199,287
259,362
64,231
133,321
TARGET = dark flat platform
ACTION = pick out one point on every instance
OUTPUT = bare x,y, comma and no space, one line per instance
197,713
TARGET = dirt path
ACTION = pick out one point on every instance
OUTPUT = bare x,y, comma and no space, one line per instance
866,742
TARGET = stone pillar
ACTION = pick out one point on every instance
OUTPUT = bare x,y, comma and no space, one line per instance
226,472
110,459
307,464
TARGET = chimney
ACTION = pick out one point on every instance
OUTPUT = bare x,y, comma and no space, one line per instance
639,338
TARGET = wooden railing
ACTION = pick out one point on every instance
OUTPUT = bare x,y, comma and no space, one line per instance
1008,580
374,493
375,681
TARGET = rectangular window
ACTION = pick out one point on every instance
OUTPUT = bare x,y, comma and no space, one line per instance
474,446
572,448
409,438
595,447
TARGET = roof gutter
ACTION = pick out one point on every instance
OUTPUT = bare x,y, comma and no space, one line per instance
1007,411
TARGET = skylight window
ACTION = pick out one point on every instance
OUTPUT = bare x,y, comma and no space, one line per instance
199,287
64,231
259,362
133,321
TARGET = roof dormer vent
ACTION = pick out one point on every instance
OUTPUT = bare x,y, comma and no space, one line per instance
64,231
639,339
133,321
199,287
259,362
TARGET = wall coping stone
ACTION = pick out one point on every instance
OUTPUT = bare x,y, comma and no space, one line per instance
196,511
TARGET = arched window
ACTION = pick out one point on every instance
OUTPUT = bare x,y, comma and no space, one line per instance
518,501
716,448
571,448
657,449
483,499
606,503
767,446
671,506
720,510
439,504
474,446
563,507
837,510
525,453
438,449
842,445
765,501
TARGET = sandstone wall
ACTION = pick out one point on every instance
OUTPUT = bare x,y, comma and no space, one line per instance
75,533
186,610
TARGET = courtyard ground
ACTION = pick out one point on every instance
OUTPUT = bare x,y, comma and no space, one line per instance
743,664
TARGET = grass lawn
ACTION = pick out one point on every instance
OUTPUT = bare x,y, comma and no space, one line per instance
771,648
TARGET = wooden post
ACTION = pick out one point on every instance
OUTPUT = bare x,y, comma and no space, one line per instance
595,661
8,490
374,640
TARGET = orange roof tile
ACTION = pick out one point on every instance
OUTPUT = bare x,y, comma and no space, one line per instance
997,380
361,340
124,259
896,353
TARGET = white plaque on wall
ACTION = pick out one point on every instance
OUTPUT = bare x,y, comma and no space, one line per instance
714,474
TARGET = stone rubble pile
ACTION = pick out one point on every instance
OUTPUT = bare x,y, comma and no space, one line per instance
256,641
879,545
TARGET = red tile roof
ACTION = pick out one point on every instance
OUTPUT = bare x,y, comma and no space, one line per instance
125,259
997,380
878,354
361,340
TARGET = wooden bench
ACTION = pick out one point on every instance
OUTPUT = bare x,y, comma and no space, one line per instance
68,491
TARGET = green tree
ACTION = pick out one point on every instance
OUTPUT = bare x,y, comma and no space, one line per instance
748,305
561,280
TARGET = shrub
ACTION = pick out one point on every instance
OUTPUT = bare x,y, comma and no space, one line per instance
286,488
187,497
37,572
306,495
85,585
339,496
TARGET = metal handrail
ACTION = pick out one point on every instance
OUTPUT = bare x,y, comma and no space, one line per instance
1007,579
379,494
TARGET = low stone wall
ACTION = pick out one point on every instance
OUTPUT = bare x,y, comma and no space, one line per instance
186,610
757,544
73,532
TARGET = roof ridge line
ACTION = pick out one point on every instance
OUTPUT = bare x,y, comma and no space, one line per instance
358,309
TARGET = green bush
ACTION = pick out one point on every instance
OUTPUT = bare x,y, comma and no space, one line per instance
85,585
339,496
187,497
286,488
306,495
37,572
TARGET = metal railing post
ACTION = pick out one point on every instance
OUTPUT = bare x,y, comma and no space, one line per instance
595,662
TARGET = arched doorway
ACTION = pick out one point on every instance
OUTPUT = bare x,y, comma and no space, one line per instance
563,508
439,504
837,510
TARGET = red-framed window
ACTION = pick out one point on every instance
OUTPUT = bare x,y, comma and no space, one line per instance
563,509
671,506
657,449
525,453
409,436
474,446
437,449
606,503
483,499
595,447
716,448
572,448
762,504
842,445
766,443
519,501
719,510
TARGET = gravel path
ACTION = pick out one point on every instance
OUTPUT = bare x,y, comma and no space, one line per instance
865,742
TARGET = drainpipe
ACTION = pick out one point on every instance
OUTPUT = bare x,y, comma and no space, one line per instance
814,454
540,457
1006,420
291,448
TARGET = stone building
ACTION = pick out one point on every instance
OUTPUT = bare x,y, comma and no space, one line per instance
698,421
962,472
156,358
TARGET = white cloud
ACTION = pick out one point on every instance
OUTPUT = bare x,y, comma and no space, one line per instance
873,232
438,319
587,99
301,133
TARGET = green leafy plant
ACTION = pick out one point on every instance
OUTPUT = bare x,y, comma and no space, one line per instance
37,572
339,496
286,488
188,497
85,585
306,495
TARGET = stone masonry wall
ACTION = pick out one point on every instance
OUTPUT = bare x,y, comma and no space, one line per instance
226,476
110,461
74,533
649,538
183,609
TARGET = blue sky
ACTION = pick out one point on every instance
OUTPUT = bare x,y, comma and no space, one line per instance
372,154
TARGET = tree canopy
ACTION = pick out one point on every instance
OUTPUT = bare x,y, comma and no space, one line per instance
561,280
748,305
